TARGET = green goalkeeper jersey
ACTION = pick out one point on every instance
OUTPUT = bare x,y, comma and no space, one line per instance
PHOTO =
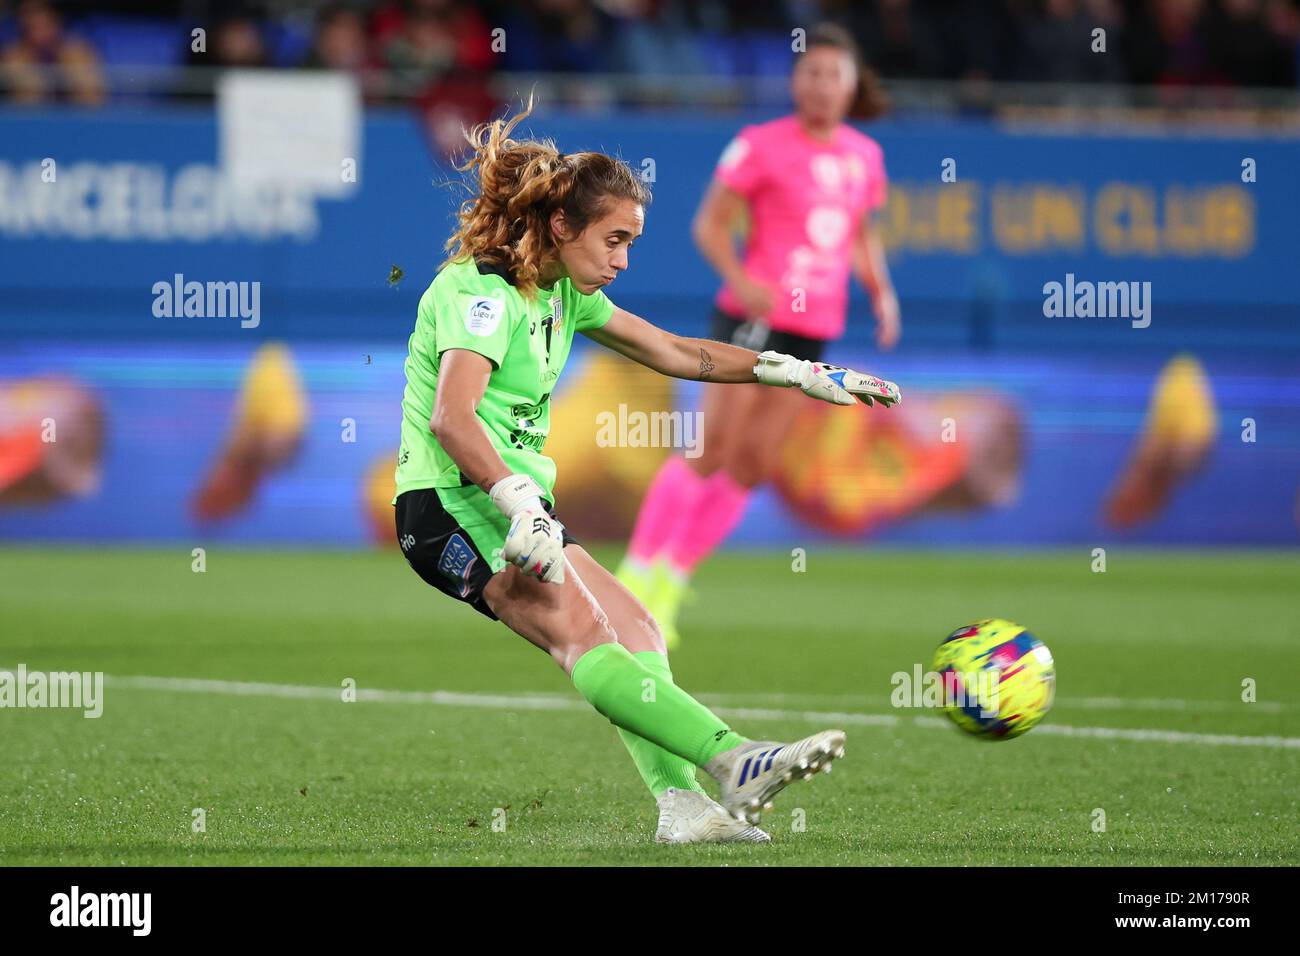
527,340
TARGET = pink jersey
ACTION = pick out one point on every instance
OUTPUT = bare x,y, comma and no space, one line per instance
807,200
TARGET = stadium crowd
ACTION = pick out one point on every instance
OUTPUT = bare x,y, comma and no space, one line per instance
52,51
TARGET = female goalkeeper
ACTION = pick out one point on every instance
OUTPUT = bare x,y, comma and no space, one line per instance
475,516
808,184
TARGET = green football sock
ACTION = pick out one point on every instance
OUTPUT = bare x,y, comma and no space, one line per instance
659,768
633,698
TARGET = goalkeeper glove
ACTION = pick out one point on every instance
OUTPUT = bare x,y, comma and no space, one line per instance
535,541
830,383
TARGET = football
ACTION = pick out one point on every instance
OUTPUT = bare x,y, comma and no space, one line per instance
998,679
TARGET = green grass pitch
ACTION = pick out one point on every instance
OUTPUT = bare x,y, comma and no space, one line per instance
1158,644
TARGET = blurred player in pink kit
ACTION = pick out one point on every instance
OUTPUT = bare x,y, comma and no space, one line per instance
808,184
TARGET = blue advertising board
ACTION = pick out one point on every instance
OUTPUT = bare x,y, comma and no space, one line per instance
140,198
100,210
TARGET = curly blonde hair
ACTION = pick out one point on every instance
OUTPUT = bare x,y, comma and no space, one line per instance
518,185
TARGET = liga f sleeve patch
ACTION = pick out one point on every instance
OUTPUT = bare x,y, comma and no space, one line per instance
475,320
483,315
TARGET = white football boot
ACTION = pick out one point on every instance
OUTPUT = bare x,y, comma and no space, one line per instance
752,774
688,816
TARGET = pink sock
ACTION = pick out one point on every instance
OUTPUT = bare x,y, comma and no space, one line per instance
673,494
717,511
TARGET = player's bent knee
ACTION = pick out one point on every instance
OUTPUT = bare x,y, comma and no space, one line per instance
577,636
579,625
564,620
644,635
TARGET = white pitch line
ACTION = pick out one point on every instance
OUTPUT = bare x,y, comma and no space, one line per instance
554,702
300,691
1081,703
1169,703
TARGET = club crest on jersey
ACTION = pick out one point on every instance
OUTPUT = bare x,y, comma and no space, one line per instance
483,315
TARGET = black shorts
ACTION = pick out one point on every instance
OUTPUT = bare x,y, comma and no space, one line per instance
757,336
444,553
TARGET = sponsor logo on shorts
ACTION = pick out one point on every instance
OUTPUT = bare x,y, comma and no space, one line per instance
456,562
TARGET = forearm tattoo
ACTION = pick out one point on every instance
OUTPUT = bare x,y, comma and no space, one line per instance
706,364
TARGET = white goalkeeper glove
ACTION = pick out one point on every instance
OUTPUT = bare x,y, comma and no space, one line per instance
535,541
830,383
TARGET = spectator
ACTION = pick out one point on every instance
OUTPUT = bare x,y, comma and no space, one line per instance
237,42
659,38
894,37
234,39
440,52
559,36
423,40
1167,46
340,42
1284,22
44,64
1058,44
1244,51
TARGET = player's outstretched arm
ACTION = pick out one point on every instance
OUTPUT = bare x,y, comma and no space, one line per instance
709,361
697,359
